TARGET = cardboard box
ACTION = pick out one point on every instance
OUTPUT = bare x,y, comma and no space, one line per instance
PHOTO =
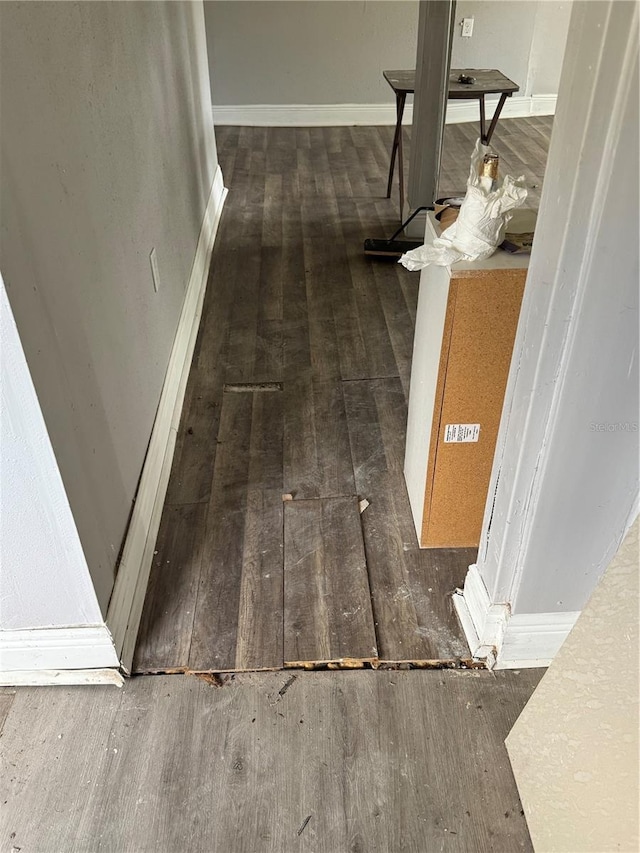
480,327
457,392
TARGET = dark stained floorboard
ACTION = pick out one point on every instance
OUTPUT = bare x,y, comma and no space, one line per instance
164,644
292,300
327,603
238,614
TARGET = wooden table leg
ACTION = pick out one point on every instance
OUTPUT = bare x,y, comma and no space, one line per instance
402,99
396,137
496,116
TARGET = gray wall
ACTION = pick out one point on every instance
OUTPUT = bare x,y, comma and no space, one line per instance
308,51
319,52
502,34
108,150
523,38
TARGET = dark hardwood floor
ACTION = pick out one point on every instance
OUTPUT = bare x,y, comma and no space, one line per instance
243,580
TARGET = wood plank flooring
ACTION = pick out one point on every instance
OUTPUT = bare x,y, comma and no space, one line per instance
327,601
378,761
292,301
238,622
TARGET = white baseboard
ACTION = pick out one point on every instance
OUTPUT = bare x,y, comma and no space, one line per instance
482,623
31,652
308,115
459,112
534,639
505,640
334,115
125,607
60,677
468,628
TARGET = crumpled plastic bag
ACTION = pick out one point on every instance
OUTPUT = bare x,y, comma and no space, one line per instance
481,223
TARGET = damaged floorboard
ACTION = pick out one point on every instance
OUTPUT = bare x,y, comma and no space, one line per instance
294,309
327,601
414,618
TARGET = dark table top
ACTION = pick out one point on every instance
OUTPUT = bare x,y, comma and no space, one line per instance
488,81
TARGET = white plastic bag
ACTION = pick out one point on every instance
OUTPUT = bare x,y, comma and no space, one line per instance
480,225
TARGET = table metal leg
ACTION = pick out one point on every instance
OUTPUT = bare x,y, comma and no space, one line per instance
394,147
496,116
483,136
397,140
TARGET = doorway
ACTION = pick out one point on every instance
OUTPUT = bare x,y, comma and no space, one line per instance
293,428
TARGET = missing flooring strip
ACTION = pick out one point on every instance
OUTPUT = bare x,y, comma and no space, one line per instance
341,663
371,378
250,387
456,663
219,678
377,664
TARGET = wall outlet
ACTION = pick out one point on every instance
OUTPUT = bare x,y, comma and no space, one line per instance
153,259
467,28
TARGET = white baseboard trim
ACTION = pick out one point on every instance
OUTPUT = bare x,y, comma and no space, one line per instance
459,112
489,620
60,677
505,640
543,105
308,115
534,639
31,651
125,607
468,628
334,115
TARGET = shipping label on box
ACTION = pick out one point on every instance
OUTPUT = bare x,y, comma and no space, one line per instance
458,433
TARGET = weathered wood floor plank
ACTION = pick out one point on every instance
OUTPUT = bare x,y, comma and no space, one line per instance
238,618
317,460
410,587
169,610
327,602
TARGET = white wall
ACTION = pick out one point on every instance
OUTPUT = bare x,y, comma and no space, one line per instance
564,486
45,579
308,51
547,46
108,150
574,376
